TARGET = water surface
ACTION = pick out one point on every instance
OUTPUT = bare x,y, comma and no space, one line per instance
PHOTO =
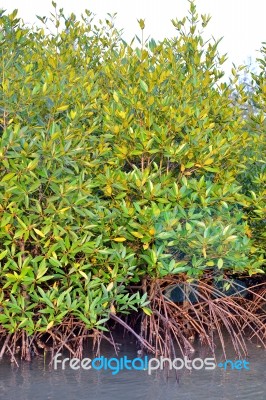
38,381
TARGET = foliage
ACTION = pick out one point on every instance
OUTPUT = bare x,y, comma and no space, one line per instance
112,156
253,179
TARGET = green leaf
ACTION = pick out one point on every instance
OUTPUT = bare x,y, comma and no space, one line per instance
33,164
8,176
144,86
3,254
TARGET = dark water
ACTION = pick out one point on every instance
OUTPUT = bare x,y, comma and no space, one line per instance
36,381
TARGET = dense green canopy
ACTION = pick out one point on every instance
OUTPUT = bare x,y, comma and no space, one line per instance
120,161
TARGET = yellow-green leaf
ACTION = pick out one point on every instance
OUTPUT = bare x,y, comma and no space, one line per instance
152,231
115,96
109,190
119,239
51,323
40,233
63,210
33,164
3,254
231,238
110,286
7,177
151,101
62,108
141,23
208,161
147,311
210,263
137,234
82,273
